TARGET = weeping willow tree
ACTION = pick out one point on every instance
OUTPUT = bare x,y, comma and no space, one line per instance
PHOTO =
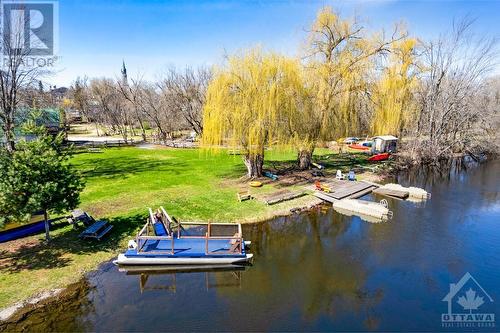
392,95
249,104
339,58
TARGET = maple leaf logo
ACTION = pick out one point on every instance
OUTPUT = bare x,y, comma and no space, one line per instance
470,301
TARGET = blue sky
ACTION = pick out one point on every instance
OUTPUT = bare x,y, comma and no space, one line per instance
94,36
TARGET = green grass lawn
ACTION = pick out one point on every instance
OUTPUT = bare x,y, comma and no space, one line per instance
121,183
192,184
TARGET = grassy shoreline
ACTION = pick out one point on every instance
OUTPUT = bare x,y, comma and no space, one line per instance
120,184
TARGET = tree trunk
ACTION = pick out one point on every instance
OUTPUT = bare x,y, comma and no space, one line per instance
199,128
124,134
254,163
8,134
47,235
304,158
143,131
63,123
162,136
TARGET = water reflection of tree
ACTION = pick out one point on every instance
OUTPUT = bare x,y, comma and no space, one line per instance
214,278
416,234
301,263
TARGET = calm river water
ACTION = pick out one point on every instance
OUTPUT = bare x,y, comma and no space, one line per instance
318,271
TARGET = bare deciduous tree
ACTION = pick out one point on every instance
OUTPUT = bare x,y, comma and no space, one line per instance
79,93
453,116
16,74
186,91
133,92
155,107
112,109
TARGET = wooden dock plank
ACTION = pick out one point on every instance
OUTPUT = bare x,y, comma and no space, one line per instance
346,190
324,196
340,189
283,196
362,193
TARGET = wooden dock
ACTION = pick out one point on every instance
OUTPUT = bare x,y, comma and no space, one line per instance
341,189
324,196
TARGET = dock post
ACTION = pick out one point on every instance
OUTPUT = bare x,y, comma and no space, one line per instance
173,252
206,243
206,238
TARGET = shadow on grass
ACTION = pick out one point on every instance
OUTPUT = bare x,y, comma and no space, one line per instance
55,254
233,173
334,161
343,160
114,167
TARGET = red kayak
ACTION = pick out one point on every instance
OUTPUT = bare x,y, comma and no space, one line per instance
379,157
358,147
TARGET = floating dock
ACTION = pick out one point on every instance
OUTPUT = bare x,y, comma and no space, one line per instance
363,207
343,195
413,192
341,189
398,194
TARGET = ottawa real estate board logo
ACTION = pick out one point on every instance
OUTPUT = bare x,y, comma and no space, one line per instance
29,32
469,305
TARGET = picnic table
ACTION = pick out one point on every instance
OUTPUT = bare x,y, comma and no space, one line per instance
97,230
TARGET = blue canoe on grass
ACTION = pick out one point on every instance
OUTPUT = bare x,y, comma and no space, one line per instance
22,231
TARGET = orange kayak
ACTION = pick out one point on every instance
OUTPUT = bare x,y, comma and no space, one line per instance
379,157
358,147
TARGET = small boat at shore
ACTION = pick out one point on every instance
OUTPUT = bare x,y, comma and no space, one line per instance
379,157
366,143
16,231
359,147
165,241
22,231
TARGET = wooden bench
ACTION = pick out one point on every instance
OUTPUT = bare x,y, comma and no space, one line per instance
282,195
244,195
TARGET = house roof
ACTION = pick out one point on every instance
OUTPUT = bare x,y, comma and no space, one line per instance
386,137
